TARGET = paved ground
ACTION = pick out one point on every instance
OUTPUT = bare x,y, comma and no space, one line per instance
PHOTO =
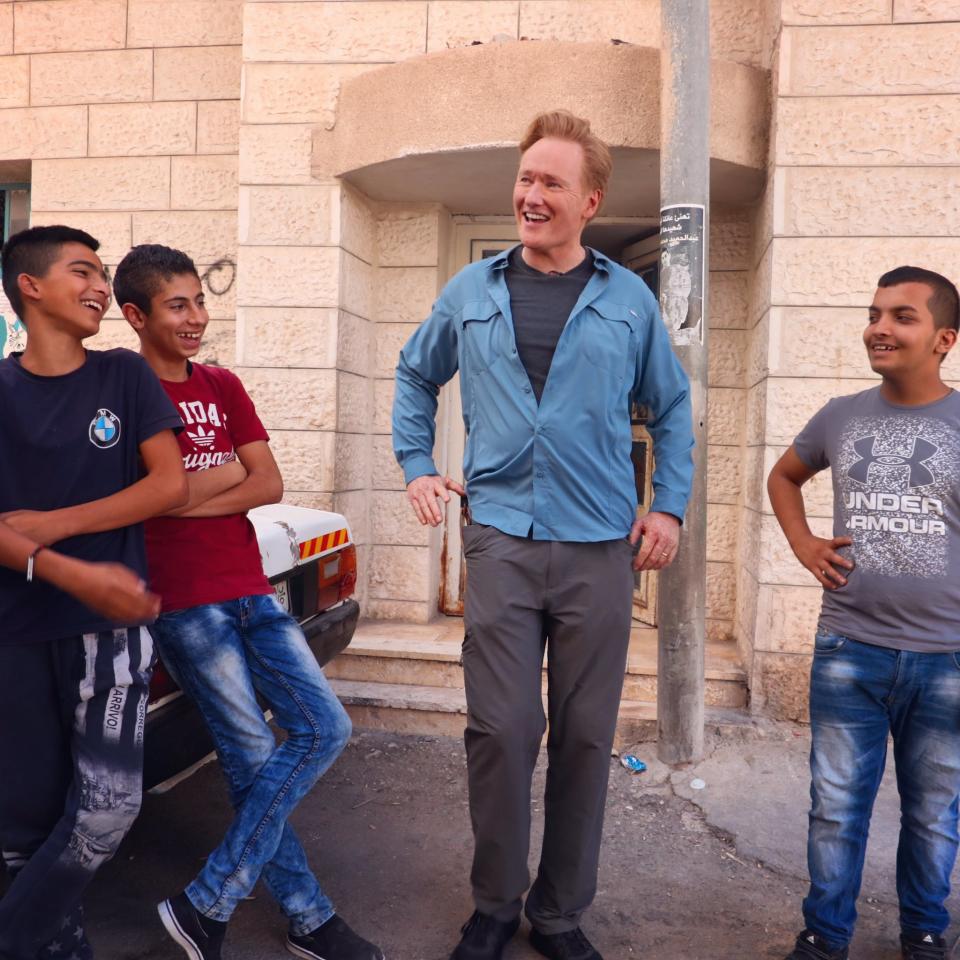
687,874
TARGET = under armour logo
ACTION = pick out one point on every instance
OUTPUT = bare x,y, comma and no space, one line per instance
920,475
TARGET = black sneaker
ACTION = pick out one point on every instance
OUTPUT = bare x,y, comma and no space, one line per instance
484,937
569,945
923,946
811,947
198,936
334,940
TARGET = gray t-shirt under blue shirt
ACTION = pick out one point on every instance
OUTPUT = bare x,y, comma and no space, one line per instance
896,493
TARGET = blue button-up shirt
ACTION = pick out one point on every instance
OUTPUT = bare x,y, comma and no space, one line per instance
560,470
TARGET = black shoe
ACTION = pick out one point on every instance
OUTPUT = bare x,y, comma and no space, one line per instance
198,936
923,946
334,940
569,945
811,947
484,937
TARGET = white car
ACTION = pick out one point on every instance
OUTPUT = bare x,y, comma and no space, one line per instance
311,561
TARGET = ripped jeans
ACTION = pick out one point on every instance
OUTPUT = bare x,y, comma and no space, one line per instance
223,655
71,756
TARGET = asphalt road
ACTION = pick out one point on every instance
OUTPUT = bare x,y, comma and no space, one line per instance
388,834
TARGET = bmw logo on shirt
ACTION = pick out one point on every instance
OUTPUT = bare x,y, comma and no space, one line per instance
104,429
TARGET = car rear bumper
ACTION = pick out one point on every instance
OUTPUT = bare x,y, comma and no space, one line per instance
176,736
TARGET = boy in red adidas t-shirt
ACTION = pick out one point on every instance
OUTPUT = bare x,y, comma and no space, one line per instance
223,635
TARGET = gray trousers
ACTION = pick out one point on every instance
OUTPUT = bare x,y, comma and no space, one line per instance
523,595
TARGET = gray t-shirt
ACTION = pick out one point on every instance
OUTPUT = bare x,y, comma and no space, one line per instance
896,493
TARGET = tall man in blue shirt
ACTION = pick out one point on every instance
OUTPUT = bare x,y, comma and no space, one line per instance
553,341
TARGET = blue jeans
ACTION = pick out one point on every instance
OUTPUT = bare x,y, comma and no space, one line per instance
859,695
222,655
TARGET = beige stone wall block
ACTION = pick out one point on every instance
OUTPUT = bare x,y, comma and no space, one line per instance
355,506
818,342
758,351
403,611
636,21
354,402
382,405
345,32
305,458
69,25
124,183
288,276
393,522
777,563
756,467
352,468
197,73
723,522
288,215
868,131
459,23
726,416
390,338
792,401
14,79
287,337
113,230
356,285
293,399
206,236
814,12
728,300
355,349
357,224
386,473
405,294
408,239
219,281
905,11
6,29
727,360
780,686
204,183
219,343
736,31
142,129
837,61
787,618
745,622
871,202
749,544
218,126
184,23
276,153
294,92
114,333
724,470
312,501
42,132
730,238
721,591
843,271
399,573
756,425
109,76
760,286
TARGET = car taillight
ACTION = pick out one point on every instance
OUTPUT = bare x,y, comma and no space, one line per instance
336,576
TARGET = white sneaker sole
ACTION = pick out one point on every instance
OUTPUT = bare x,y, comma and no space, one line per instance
169,920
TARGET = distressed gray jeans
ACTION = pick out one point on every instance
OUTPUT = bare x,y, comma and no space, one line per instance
71,757
574,601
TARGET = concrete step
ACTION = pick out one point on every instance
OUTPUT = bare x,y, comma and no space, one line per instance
442,711
428,656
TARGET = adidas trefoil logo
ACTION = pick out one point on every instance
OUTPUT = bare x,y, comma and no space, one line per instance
202,438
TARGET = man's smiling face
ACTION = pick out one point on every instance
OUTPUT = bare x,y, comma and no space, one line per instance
551,201
74,292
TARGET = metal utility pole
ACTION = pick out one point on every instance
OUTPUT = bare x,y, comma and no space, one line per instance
684,209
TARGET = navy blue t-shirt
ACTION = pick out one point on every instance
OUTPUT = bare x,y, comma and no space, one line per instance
69,440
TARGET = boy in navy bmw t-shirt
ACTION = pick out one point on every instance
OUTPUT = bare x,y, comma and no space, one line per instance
75,426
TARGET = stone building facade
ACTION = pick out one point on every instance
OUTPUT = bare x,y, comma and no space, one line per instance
330,163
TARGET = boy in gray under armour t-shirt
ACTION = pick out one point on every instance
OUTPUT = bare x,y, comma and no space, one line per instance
887,650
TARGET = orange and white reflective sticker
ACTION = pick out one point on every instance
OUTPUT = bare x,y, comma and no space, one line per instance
310,548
